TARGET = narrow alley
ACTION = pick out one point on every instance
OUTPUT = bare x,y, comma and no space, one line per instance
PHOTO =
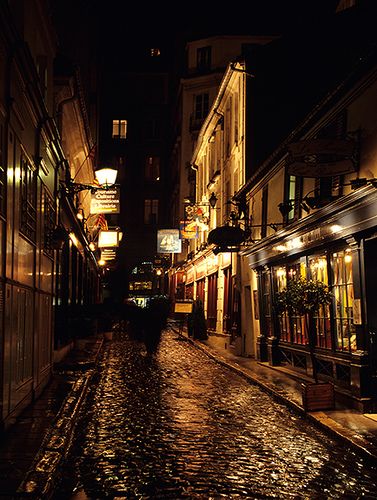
180,425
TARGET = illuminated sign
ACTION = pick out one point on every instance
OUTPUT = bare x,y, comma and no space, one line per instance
108,254
168,241
108,239
189,230
105,201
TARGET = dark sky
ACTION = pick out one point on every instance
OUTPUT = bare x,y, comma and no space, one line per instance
119,25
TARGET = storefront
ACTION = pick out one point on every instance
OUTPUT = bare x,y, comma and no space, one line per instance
336,246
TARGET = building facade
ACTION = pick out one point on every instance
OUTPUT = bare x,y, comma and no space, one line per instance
32,161
293,173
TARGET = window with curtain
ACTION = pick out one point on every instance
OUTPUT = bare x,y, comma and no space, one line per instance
342,288
292,328
318,271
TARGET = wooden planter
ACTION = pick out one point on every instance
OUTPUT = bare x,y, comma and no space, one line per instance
320,396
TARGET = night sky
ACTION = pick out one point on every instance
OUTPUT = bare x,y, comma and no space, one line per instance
117,27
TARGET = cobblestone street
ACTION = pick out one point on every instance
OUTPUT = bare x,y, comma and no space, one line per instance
180,425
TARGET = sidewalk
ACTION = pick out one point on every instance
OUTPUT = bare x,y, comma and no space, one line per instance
33,448
351,426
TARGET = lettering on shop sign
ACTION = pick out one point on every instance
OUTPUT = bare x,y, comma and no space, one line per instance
356,309
105,201
183,307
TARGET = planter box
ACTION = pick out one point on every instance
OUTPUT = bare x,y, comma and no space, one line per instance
108,335
319,396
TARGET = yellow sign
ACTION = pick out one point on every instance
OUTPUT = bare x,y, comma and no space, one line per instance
183,307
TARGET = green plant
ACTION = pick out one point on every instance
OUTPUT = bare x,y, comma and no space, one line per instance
303,297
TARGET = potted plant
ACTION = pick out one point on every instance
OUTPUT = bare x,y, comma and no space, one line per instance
304,298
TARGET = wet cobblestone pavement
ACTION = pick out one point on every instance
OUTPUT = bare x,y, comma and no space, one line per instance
180,425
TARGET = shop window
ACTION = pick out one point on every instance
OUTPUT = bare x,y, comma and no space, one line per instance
318,272
28,199
200,289
292,328
189,291
266,319
343,296
119,129
212,302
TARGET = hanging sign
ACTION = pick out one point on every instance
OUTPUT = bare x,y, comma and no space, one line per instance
322,157
105,201
189,230
168,241
108,239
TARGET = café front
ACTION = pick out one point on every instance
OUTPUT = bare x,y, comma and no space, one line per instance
338,246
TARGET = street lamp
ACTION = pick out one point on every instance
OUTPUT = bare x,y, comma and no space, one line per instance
105,177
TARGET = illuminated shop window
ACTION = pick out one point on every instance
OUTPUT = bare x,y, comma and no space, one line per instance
119,129
318,272
343,293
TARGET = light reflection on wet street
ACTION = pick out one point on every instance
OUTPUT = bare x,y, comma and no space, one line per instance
179,425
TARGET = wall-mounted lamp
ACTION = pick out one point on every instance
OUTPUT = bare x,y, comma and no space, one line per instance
105,177
285,207
212,200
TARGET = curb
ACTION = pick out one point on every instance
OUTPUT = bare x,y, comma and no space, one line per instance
40,480
319,418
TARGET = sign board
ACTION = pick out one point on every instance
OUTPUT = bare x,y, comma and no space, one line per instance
321,157
189,230
329,169
168,241
108,239
183,307
357,312
108,254
105,201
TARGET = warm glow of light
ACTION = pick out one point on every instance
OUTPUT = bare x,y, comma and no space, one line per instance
280,248
92,246
335,228
158,272
74,239
106,176
108,239
101,262
280,272
348,256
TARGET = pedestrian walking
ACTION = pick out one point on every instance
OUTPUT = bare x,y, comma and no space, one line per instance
156,315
